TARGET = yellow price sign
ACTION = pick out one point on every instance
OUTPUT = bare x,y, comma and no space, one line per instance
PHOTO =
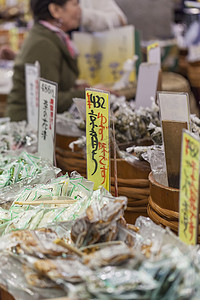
97,136
14,39
189,189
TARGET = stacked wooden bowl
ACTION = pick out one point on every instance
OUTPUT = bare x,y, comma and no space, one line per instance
163,206
132,178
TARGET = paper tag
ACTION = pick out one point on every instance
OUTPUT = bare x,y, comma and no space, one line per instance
32,73
189,189
47,118
154,54
97,135
147,84
174,107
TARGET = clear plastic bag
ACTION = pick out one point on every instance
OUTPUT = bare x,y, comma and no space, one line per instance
156,157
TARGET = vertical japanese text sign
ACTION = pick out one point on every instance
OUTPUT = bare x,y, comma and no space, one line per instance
32,73
189,189
97,135
47,118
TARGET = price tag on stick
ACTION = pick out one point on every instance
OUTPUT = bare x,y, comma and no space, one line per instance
174,112
32,73
97,136
47,118
189,189
154,54
147,84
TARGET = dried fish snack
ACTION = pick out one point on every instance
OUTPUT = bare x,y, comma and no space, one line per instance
70,270
127,233
99,224
13,277
35,279
110,255
37,243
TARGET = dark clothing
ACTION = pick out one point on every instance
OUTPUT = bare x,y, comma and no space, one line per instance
56,64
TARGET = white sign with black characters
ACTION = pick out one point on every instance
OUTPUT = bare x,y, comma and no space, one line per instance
47,118
32,73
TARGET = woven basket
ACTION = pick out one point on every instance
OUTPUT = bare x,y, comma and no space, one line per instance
132,178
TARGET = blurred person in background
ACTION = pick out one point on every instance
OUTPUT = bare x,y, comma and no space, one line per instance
48,44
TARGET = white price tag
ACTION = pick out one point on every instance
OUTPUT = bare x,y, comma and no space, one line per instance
147,84
154,54
32,73
174,107
47,118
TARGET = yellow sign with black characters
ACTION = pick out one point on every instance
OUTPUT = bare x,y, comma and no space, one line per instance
97,135
189,189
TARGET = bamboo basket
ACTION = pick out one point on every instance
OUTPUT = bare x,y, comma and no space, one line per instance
132,178
163,205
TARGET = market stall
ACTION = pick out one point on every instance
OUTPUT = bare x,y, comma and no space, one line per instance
101,201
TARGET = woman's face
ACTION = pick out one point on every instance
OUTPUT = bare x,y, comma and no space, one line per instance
70,15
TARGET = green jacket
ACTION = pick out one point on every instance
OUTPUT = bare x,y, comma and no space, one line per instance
56,65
